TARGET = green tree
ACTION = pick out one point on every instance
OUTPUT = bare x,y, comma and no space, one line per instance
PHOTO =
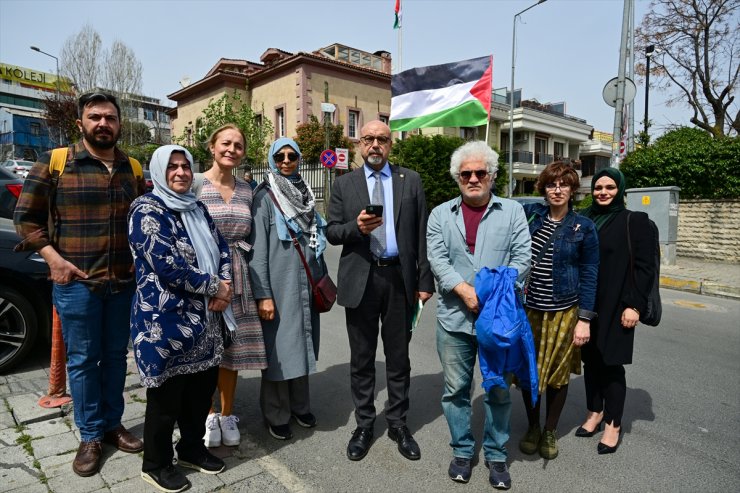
311,138
141,152
430,157
230,108
704,168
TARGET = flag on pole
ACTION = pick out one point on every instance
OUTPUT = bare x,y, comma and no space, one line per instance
397,23
451,95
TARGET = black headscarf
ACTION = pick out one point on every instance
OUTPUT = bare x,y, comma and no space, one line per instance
601,215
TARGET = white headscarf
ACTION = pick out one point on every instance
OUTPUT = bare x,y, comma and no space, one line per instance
196,225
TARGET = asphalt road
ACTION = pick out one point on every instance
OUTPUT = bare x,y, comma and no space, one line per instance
680,426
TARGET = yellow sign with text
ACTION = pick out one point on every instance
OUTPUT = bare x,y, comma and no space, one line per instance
34,78
646,200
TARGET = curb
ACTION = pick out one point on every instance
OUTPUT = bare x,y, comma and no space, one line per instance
703,286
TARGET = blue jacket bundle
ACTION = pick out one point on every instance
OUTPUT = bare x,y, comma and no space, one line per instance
505,342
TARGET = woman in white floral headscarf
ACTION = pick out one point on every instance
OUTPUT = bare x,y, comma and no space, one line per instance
181,310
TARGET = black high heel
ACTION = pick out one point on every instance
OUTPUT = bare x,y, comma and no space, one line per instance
602,448
606,449
584,433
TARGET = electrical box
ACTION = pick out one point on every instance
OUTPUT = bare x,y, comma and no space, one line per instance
661,205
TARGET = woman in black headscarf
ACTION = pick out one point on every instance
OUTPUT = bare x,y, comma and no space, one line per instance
621,294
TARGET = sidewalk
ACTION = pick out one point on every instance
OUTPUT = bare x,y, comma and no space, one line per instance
37,445
699,276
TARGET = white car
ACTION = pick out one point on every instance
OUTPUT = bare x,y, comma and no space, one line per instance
19,167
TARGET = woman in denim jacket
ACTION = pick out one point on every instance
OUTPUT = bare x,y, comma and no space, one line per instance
560,295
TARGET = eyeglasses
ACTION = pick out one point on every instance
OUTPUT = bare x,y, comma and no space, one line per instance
479,173
368,140
554,186
610,188
279,157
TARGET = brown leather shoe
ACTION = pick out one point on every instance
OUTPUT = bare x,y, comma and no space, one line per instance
123,440
87,460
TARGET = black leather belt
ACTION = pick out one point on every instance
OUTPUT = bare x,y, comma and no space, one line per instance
386,261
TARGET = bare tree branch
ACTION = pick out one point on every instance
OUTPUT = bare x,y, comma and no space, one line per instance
80,58
698,40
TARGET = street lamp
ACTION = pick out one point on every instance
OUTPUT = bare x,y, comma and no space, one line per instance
511,112
648,55
36,48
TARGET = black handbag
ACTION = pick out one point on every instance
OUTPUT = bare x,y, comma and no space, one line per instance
654,309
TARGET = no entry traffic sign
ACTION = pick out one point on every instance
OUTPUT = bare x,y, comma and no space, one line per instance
342,158
328,158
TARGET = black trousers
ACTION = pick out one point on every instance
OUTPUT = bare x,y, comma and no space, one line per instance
384,302
606,385
185,400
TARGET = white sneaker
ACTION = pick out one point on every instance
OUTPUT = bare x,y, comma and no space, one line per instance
212,438
231,435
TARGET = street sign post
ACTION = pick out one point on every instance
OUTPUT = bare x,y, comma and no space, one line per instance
328,158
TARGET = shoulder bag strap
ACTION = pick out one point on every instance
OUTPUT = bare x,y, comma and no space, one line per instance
629,250
295,240
547,244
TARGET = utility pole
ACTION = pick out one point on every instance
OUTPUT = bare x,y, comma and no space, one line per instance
59,99
648,55
621,75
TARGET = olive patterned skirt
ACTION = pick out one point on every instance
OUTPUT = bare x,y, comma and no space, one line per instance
557,357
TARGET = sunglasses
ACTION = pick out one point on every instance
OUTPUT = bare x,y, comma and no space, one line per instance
279,157
479,173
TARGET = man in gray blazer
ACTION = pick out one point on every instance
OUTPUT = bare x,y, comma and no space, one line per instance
383,272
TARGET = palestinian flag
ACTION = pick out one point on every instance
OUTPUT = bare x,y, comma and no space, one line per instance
397,23
451,95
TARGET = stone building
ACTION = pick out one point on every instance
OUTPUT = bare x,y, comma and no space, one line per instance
287,88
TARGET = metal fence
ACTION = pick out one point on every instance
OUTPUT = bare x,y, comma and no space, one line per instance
313,174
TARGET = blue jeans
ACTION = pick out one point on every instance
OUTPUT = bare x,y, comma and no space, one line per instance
457,352
96,332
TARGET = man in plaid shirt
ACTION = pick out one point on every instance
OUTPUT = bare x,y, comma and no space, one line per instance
91,268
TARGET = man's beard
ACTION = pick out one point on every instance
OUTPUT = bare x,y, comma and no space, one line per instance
108,141
374,159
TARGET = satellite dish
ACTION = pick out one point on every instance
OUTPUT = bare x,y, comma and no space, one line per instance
610,91
185,82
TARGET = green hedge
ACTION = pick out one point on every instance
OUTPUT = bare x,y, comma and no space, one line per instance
704,167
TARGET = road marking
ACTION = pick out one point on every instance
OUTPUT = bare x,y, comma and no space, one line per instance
281,472
690,304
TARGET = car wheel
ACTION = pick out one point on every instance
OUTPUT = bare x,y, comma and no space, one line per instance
18,327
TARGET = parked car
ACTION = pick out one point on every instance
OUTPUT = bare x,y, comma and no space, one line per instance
25,299
10,189
148,180
18,167
529,200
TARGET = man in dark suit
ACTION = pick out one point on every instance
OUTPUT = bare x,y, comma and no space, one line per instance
383,273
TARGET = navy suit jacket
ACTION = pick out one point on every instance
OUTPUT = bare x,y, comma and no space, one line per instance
350,196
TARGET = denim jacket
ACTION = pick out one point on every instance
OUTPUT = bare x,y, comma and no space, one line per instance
575,260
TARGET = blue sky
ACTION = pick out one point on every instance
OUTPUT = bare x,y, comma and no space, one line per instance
566,49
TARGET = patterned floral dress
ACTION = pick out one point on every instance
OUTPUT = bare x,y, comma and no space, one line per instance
234,221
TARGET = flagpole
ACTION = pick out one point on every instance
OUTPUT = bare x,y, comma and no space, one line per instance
399,20
400,49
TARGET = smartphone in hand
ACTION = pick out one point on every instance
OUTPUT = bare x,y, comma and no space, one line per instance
374,209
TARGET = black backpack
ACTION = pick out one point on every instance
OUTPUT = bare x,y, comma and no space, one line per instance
654,309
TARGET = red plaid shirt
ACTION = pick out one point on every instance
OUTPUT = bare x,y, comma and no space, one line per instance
89,217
